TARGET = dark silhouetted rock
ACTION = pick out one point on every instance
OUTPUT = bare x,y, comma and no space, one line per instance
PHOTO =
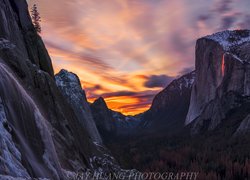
111,124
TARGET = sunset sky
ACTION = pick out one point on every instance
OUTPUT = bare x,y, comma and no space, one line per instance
128,50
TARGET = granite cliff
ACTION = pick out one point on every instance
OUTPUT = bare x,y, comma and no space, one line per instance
222,78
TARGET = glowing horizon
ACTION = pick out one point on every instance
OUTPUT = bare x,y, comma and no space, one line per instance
126,51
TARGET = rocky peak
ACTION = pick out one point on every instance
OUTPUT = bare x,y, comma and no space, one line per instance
111,124
70,86
101,103
66,76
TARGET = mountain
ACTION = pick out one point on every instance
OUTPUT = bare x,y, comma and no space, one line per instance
111,124
103,118
41,132
222,84
169,108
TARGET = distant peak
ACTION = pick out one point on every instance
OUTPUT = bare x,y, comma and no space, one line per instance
62,71
100,102
228,39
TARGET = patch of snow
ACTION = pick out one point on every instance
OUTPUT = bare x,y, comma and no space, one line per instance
228,39
186,81
69,174
237,58
98,144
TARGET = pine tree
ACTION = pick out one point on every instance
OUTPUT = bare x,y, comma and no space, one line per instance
36,19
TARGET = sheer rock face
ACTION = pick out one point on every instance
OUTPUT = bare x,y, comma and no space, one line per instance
16,26
70,87
223,77
170,106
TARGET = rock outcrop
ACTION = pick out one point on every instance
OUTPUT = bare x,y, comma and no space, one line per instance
103,118
169,107
70,86
223,77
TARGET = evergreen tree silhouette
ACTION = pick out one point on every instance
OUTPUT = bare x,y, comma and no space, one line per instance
36,19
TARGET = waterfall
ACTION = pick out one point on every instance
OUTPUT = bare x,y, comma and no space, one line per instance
29,127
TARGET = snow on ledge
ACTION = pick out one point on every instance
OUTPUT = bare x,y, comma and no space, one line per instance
228,39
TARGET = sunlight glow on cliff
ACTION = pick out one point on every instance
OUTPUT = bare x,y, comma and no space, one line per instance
223,65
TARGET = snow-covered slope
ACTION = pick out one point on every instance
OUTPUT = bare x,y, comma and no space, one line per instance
230,39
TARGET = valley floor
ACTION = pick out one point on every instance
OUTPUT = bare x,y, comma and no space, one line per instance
217,154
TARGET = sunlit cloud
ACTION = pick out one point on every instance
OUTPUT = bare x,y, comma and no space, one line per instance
134,46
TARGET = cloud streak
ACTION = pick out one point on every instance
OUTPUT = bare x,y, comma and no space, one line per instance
158,81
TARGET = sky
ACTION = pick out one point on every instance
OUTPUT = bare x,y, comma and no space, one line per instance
128,50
